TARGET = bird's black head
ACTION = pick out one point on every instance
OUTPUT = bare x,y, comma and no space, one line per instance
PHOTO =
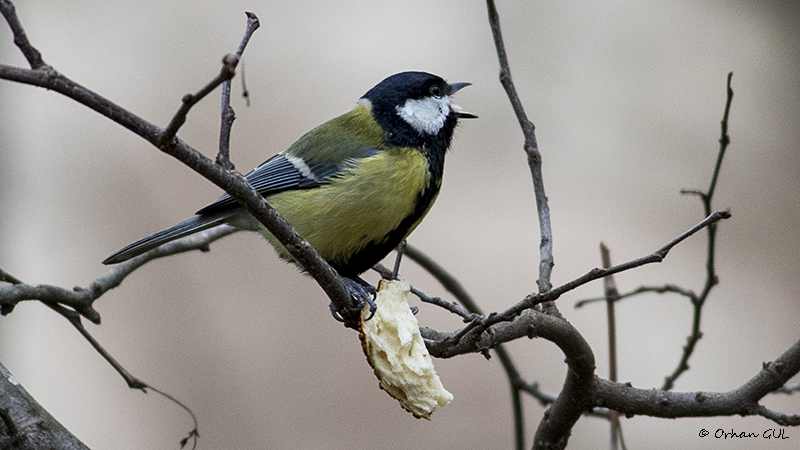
414,109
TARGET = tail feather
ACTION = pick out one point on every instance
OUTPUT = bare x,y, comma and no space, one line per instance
194,225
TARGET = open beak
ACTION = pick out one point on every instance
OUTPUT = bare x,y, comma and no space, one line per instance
452,88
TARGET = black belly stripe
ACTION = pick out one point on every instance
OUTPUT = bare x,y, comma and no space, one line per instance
375,251
434,149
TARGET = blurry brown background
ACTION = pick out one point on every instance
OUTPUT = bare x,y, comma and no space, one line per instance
627,100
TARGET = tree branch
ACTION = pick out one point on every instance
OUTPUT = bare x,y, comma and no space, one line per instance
665,289
223,156
455,288
24,424
612,296
229,63
20,38
697,301
453,307
625,398
786,420
494,329
594,274
741,401
711,275
448,281
576,395
233,183
581,391
578,391
81,299
531,150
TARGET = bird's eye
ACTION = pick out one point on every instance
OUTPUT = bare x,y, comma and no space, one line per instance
436,90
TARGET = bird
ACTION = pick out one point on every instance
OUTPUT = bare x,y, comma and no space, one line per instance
354,187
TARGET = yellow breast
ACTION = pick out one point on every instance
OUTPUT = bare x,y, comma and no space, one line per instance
362,206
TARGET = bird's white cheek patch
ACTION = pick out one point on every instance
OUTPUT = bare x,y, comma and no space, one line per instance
426,115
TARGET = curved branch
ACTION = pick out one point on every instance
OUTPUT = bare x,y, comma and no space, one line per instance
578,390
741,401
623,397
519,320
576,396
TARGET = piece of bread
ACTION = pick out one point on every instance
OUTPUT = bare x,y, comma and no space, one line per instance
397,354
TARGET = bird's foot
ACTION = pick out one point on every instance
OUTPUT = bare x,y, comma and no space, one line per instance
362,293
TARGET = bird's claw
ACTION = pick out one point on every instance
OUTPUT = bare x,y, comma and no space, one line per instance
362,294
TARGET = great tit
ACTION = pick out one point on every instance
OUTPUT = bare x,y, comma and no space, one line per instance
355,186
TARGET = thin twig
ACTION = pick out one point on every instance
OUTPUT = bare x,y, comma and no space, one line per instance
56,298
193,434
787,390
546,260
81,299
786,420
453,307
724,139
612,296
711,276
8,278
448,281
494,322
20,38
75,320
226,124
655,257
228,116
227,72
531,150
667,288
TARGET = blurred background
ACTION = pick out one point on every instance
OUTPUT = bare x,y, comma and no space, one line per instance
627,99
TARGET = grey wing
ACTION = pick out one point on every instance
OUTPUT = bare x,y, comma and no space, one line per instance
280,173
